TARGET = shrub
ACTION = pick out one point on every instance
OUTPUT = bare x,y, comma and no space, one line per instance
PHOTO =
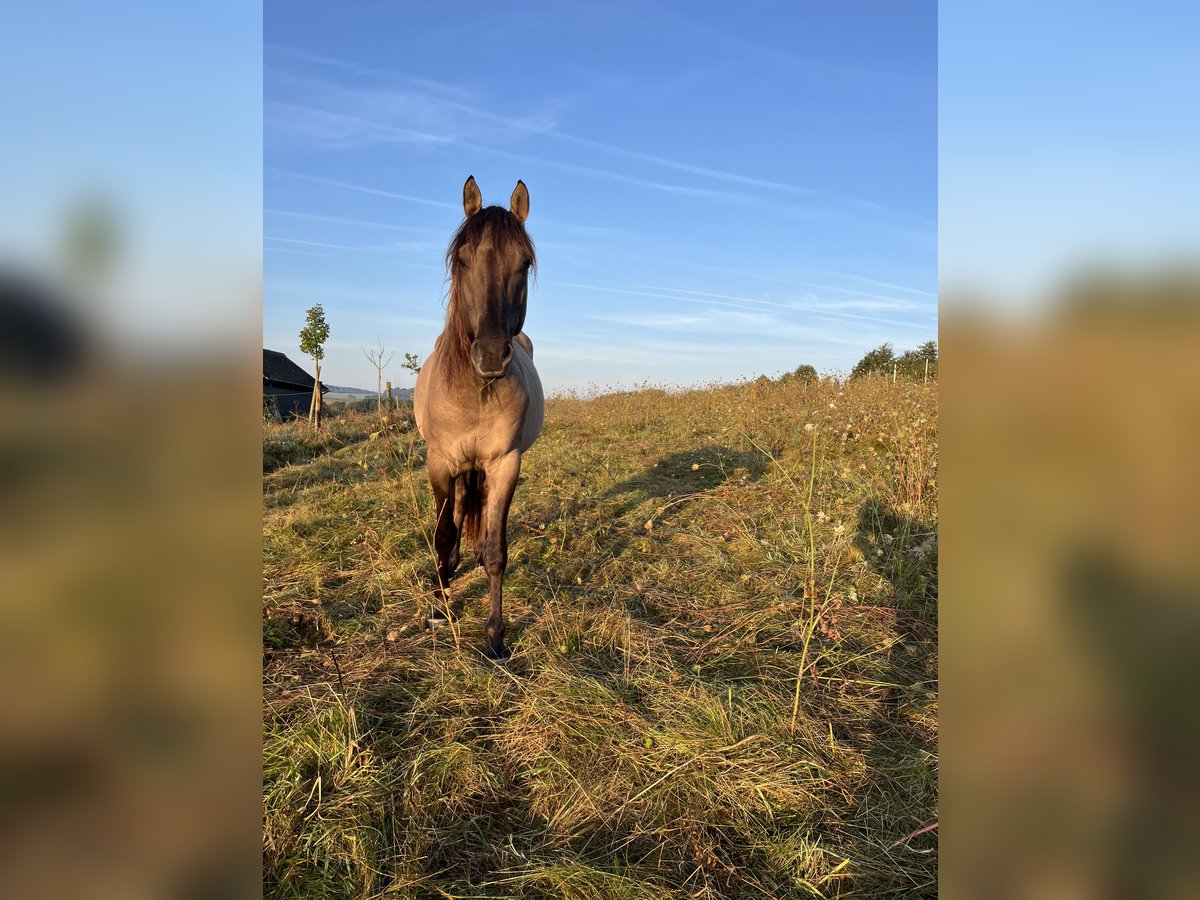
807,374
878,360
911,363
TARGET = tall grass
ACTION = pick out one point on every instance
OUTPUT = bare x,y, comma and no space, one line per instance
724,671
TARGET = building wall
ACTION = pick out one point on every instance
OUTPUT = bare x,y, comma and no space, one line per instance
289,401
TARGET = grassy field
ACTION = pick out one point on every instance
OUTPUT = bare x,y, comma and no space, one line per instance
722,608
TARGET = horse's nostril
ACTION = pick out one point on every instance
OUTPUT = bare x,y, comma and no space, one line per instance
487,362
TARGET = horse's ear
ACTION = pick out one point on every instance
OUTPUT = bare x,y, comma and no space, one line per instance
519,202
472,199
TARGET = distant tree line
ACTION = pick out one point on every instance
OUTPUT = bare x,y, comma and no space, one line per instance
915,364
910,364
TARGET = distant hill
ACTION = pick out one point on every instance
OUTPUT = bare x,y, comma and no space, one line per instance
341,391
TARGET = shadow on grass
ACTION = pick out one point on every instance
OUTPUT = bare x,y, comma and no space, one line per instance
610,517
1137,627
320,470
901,550
476,815
902,749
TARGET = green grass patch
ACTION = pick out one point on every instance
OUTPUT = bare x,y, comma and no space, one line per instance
724,672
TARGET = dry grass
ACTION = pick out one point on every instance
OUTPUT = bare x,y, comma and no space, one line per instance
724,672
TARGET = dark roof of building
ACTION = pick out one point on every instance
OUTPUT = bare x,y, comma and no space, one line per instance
279,369
40,337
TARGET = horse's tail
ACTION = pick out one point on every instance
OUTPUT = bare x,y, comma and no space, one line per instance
472,501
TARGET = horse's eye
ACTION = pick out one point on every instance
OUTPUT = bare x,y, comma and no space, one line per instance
528,264
462,262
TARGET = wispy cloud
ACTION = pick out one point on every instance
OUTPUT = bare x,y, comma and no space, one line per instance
811,301
438,96
886,284
577,228
746,304
398,97
720,322
867,206
365,298
297,252
438,87
653,320
418,247
338,131
663,18
781,279
663,356
594,172
724,324
423,247
629,292
585,230
337,220
362,188
328,246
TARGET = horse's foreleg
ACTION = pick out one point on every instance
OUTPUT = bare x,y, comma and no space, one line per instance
445,538
501,481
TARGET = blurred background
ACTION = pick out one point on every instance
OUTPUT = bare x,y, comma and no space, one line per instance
130,324
130,273
1070,326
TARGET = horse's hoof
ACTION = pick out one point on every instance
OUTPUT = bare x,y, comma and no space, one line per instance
501,655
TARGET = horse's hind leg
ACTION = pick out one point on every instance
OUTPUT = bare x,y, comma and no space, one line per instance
501,482
460,506
445,539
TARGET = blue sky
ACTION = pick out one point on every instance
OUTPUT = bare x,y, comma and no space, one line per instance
717,190
155,109
1069,136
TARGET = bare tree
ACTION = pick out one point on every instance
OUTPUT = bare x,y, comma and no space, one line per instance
377,360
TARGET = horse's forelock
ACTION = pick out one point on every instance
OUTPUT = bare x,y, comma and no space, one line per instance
506,230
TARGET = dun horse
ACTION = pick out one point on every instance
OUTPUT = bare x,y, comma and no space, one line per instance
478,400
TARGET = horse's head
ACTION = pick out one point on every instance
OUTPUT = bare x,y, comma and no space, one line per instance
490,258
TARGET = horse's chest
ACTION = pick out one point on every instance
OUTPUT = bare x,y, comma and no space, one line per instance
469,439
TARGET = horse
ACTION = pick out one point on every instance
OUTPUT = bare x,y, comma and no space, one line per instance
478,400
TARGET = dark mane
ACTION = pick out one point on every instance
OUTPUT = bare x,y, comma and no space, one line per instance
508,236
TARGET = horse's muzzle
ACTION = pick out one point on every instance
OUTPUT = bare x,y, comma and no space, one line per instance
491,358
